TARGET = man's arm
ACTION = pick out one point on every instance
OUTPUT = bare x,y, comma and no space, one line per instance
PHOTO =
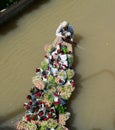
58,31
71,31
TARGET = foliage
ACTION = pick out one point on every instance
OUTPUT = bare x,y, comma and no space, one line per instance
64,49
7,3
44,65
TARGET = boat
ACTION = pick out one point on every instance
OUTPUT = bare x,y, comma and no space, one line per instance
46,108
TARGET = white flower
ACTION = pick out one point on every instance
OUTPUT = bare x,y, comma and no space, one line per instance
54,71
52,129
63,57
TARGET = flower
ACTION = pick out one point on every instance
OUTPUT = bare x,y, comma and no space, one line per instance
46,108
31,126
48,99
51,79
70,58
37,70
44,123
70,73
51,123
59,81
44,65
59,127
38,83
63,118
69,88
52,90
62,74
25,125
20,125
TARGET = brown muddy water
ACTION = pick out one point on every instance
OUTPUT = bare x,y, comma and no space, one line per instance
22,43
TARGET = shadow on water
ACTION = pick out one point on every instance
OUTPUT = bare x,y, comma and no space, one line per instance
99,73
77,79
104,71
7,128
77,38
11,115
96,129
12,23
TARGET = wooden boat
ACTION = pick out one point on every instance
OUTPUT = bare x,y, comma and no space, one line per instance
53,85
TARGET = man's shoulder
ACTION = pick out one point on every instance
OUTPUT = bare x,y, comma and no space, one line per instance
70,27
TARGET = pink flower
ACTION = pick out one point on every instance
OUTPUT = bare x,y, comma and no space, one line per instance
40,85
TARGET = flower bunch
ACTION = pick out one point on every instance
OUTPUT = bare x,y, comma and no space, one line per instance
53,85
44,65
51,79
62,74
66,91
23,125
38,82
70,73
63,118
59,81
70,58
48,98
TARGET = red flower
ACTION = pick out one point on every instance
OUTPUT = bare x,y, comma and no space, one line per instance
45,76
40,113
39,102
47,107
58,51
49,115
45,118
52,59
28,97
38,94
73,83
70,52
61,67
52,110
55,94
64,65
26,106
59,43
60,80
37,69
29,103
46,56
28,118
34,117
56,103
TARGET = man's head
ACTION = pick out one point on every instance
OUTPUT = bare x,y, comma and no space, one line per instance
68,35
64,24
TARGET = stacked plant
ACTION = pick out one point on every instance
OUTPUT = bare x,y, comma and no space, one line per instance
53,85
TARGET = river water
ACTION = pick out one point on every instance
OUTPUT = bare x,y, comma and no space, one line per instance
22,43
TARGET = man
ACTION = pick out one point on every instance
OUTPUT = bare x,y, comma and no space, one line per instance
65,31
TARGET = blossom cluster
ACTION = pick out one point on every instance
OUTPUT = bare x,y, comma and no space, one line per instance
46,108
